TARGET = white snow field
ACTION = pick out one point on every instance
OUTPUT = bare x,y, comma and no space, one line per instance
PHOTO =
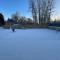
29,44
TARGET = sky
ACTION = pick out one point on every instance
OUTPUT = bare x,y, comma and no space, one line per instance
56,13
9,7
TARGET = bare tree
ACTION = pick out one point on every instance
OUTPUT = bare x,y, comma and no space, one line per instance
33,9
46,9
50,8
15,16
41,10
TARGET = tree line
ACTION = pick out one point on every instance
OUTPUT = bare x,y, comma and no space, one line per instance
20,21
41,10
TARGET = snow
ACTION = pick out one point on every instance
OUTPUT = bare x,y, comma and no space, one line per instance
29,44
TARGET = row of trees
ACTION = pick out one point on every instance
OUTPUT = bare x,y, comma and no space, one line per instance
15,19
41,13
55,23
20,19
41,10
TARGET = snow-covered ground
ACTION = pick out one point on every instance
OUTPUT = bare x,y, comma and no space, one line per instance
30,44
